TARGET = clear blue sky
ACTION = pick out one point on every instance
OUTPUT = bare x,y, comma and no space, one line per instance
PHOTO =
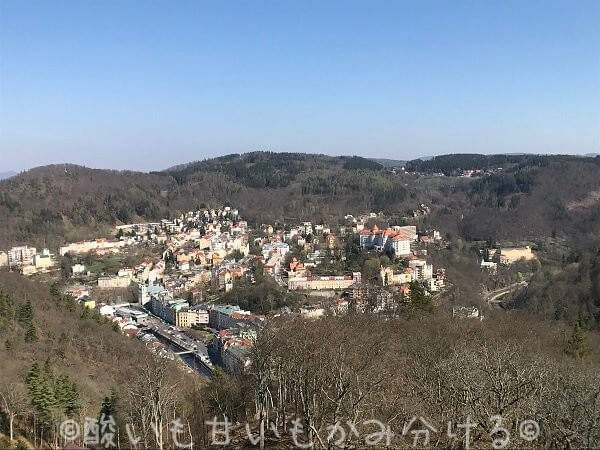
149,84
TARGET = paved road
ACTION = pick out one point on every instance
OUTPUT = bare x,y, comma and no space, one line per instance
176,336
493,297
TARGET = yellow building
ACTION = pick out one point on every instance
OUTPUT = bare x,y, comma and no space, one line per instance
28,270
189,317
43,261
388,277
330,283
217,259
88,303
513,254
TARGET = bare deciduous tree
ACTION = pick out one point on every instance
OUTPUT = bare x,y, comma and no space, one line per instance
13,401
153,400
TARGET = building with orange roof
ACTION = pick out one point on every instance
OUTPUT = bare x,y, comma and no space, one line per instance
396,239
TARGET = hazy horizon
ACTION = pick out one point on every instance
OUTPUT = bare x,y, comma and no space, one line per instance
145,86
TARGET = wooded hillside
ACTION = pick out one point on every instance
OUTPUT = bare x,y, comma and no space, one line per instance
64,202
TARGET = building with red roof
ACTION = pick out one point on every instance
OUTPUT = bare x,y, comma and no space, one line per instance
397,239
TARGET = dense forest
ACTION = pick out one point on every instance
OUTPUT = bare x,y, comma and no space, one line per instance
451,164
568,291
513,366
57,358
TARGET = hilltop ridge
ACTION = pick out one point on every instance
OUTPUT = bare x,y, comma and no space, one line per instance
527,196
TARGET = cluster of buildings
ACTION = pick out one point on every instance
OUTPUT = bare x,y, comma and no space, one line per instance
235,329
175,311
205,252
202,249
400,242
418,270
82,295
236,332
28,260
128,319
316,242
360,297
145,272
203,246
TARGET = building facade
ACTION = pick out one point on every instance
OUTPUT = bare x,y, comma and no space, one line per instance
21,256
114,282
334,283
396,239
191,316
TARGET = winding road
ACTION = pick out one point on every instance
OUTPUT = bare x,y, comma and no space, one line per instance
493,297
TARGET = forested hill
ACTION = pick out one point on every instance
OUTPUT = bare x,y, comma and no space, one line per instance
535,199
450,164
267,169
40,327
51,204
532,196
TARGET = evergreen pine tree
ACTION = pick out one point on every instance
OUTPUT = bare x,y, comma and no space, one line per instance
577,346
25,313
31,334
7,307
40,390
73,400
33,375
61,391
418,297
53,397
107,407
54,290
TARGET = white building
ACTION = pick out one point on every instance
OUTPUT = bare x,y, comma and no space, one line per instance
400,245
21,256
106,310
3,259
422,270
147,291
397,239
191,316
78,269
87,246
489,265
